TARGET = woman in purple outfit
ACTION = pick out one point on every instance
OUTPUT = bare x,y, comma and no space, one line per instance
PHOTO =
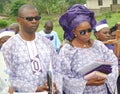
77,23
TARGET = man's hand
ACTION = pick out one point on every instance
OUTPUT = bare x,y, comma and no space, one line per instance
55,88
45,88
42,88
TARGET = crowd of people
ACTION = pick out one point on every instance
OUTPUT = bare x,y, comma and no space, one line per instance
28,55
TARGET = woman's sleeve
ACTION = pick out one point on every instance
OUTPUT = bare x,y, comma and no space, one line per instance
109,56
72,83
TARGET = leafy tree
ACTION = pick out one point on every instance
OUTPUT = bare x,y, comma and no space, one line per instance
50,6
71,2
3,24
43,6
2,3
15,7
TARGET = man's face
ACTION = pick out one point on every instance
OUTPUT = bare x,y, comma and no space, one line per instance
29,21
48,28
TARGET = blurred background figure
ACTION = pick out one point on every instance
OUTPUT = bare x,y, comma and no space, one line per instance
51,35
14,27
4,77
102,32
113,31
5,35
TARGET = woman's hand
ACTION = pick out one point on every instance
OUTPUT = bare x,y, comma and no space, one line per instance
96,82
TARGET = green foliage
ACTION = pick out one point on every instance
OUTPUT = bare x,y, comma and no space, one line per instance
108,15
44,6
50,6
2,3
15,7
112,19
71,2
3,24
1,7
53,9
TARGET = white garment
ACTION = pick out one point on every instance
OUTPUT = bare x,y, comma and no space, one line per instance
3,87
4,78
53,36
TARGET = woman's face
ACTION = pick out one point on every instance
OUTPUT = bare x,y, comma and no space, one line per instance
113,35
83,32
103,34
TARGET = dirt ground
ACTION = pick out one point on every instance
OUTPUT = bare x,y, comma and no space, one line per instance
3,17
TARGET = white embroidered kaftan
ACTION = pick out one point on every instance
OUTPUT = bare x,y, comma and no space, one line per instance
28,62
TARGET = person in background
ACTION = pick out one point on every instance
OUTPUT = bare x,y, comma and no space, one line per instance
4,77
5,35
14,27
51,35
77,23
5,86
102,32
29,56
113,31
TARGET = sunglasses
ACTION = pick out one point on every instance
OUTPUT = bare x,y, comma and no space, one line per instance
83,32
37,18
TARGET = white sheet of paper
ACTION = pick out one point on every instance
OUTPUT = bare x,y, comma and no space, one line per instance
89,67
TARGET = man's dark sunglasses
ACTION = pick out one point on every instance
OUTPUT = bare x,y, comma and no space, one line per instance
83,32
37,18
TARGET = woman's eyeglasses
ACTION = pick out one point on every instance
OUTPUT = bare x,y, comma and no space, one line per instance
83,32
37,18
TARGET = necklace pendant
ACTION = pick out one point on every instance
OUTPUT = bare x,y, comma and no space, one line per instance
84,46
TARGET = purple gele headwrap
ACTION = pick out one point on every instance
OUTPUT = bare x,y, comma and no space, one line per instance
75,15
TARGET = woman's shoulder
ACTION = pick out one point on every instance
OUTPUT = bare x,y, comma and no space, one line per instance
67,46
97,43
68,49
